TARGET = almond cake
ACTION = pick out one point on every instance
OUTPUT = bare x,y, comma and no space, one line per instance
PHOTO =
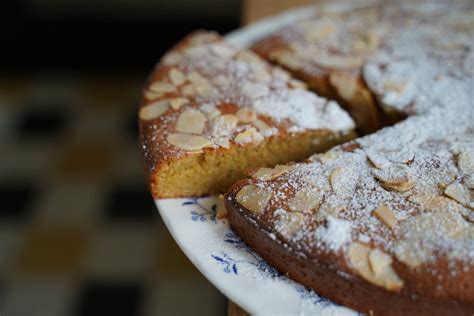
383,224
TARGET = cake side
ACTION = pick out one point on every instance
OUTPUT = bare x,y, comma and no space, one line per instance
210,112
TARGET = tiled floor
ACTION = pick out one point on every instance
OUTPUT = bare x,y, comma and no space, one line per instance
79,234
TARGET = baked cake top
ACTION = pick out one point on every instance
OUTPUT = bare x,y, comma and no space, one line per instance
341,39
206,94
395,207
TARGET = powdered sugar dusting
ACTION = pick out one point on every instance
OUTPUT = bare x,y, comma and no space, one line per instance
414,168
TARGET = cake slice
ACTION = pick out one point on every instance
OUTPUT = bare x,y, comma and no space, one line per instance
211,112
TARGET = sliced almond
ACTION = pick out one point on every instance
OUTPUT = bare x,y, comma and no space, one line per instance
386,215
461,194
305,200
297,84
378,160
328,156
249,136
340,182
263,127
205,90
222,50
286,58
177,77
245,115
395,178
254,198
289,224
191,121
466,161
177,103
262,75
339,62
222,141
223,125
267,174
152,95
196,78
374,266
381,265
188,142
154,110
344,82
188,90
319,31
162,87
172,58
255,90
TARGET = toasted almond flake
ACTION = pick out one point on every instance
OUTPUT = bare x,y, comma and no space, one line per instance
378,160
339,62
286,58
253,198
172,58
151,95
466,161
188,142
255,90
381,265
188,90
297,84
336,179
249,136
222,50
245,115
330,209
177,77
154,110
461,194
374,266
162,87
386,215
327,156
344,82
395,178
410,253
289,224
196,78
191,121
267,174
305,200
223,125
222,141
319,31
177,103
262,75
205,90
263,127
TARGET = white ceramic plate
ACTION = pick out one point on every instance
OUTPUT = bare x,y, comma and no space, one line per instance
220,254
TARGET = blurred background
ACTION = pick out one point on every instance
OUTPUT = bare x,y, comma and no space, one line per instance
79,233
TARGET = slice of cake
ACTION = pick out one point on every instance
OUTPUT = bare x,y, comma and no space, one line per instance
211,112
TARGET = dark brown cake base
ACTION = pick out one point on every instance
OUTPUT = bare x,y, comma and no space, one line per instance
347,290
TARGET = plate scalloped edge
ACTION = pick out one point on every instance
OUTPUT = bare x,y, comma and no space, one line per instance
219,254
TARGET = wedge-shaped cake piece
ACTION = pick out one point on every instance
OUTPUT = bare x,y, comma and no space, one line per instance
211,112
